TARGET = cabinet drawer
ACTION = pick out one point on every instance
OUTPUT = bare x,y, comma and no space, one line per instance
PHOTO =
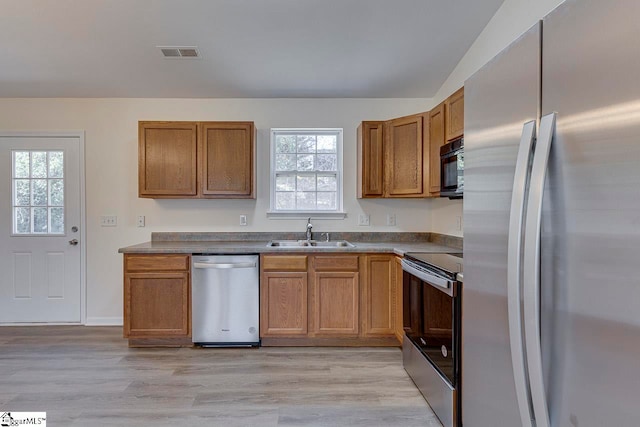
156,262
336,263
284,262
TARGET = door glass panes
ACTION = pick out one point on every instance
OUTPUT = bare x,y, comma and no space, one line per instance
306,169
38,192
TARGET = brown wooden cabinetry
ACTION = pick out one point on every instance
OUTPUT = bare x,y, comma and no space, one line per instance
370,160
399,308
406,157
454,108
393,158
327,299
157,300
436,140
379,295
196,160
283,296
335,302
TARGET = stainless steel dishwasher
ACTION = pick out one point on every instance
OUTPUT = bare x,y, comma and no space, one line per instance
225,300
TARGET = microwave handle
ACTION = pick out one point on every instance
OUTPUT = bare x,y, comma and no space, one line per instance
514,271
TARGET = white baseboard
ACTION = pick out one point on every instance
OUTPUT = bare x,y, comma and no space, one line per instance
104,321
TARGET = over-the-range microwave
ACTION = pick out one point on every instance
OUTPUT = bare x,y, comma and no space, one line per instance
452,169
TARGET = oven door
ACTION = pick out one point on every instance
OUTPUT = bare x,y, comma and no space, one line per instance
431,320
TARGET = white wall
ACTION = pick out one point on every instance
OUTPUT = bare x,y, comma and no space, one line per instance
111,127
512,19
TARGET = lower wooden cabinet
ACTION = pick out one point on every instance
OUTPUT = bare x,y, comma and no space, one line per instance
157,300
345,299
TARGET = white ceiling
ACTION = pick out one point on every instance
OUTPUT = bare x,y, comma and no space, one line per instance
249,48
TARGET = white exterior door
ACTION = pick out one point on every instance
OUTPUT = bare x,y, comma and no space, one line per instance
40,229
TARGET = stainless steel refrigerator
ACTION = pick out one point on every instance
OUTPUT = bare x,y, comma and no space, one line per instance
551,298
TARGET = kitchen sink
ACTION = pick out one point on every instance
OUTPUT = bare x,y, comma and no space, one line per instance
309,243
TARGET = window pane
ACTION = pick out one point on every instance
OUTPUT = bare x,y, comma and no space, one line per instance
56,188
39,192
56,164
327,183
285,183
285,201
306,183
306,200
285,162
305,162
327,144
22,192
306,143
39,164
327,162
23,220
327,201
285,144
21,164
57,220
40,220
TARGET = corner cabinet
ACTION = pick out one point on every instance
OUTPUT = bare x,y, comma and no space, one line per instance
454,108
393,158
330,299
196,160
157,300
436,140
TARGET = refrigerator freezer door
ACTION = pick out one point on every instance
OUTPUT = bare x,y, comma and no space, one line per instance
499,99
591,214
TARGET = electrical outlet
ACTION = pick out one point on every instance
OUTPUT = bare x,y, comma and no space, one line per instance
243,220
391,220
140,221
458,223
108,221
364,220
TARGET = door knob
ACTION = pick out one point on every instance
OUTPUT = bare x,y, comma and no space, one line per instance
73,242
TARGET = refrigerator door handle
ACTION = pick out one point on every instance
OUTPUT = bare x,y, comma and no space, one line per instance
514,259
532,270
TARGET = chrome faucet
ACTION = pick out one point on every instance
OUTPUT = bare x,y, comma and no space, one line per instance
309,227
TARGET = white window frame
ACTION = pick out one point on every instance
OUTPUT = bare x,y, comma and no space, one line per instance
338,213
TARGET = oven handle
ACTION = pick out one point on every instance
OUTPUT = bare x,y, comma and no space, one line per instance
531,273
514,272
441,283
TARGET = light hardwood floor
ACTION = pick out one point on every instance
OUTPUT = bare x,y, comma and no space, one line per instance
87,376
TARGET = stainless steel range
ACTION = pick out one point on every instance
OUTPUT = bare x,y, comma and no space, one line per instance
432,285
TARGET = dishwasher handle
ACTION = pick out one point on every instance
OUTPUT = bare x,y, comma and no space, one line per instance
224,265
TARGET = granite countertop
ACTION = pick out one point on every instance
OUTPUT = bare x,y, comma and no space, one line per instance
235,243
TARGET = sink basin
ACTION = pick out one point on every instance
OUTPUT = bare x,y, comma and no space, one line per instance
309,243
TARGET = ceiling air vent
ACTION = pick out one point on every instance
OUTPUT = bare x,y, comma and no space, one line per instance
189,52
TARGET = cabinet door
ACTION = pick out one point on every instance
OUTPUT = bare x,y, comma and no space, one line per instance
379,295
404,154
156,304
227,161
283,304
370,160
167,159
454,107
436,140
335,303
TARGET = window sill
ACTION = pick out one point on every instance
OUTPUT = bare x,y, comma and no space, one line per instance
305,215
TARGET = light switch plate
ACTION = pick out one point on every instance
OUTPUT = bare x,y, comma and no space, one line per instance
391,220
243,220
108,221
364,220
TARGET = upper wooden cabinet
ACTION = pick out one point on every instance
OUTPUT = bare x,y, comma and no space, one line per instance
436,140
454,107
196,160
167,159
370,160
393,158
